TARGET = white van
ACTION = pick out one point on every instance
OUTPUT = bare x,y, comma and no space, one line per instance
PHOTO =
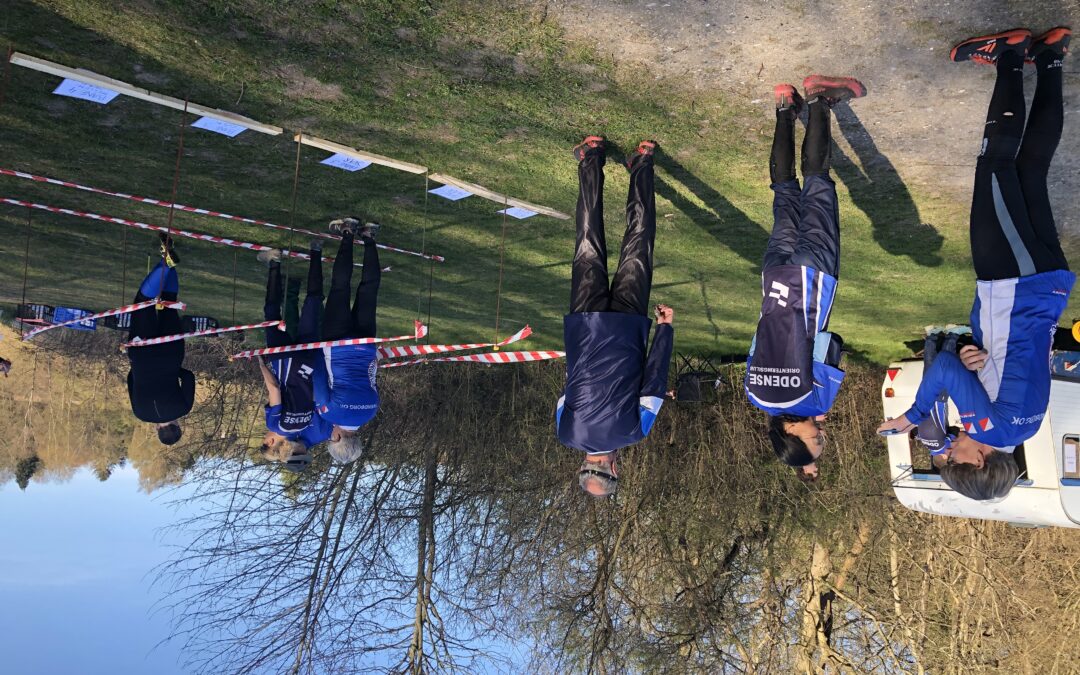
1048,491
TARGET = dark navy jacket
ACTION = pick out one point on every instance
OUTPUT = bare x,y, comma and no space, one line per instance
160,389
613,392
786,373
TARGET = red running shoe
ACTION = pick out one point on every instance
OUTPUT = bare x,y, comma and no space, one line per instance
589,143
986,49
645,147
832,89
788,98
1055,40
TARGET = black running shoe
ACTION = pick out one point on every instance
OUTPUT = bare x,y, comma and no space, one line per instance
590,143
645,148
986,49
167,249
788,98
1055,40
832,89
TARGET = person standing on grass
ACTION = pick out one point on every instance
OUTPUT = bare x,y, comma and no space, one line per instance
1001,385
160,390
5,366
613,390
792,372
292,425
346,395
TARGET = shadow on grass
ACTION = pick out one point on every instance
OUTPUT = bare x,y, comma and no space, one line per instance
720,218
877,189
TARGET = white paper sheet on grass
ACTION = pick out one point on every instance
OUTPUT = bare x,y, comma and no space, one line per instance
450,192
345,162
86,92
518,212
219,126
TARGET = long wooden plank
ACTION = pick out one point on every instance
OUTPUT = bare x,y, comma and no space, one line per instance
126,89
360,154
481,191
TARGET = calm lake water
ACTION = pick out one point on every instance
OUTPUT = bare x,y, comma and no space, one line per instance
78,557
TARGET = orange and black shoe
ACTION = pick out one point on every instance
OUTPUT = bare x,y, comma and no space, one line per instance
788,98
832,89
1055,40
646,148
986,49
590,143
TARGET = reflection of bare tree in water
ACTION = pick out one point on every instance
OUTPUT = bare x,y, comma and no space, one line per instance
460,543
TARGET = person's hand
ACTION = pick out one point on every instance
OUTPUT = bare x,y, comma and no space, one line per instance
895,426
663,314
972,357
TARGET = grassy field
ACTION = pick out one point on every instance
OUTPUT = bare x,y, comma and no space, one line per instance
488,92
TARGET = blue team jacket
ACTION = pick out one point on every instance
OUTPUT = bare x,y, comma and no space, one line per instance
613,393
1014,321
345,385
317,430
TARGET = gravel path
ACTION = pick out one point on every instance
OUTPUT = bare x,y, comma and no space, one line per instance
923,113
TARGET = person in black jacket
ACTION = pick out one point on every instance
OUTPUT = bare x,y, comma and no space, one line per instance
161,391
613,391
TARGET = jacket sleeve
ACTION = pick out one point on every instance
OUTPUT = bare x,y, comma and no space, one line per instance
948,374
131,395
187,389
934,430
320,384
655,381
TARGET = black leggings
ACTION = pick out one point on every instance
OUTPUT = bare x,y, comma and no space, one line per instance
1012,226
306,324
629,292
339,322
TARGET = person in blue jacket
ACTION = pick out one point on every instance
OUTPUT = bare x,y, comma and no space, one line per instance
1001,385
289,377
346,394
613,390
792,371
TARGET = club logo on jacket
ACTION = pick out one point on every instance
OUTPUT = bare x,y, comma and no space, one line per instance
985,424
372,373
970,428
780,293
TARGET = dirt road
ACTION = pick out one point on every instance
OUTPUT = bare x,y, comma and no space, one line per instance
923,114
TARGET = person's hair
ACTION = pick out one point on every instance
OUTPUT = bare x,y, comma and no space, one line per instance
348,449
607,486
993,481
789,448
170,434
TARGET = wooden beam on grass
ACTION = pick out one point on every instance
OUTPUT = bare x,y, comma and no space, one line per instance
481,191
90,77
331,146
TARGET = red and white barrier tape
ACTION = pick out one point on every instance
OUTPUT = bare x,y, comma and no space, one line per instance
203,212
137,342
487,357
420,332
158,228
126,309
419,350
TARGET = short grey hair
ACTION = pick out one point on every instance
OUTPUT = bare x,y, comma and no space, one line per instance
348,449
607,485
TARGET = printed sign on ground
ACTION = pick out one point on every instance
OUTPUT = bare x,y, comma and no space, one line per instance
86,92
